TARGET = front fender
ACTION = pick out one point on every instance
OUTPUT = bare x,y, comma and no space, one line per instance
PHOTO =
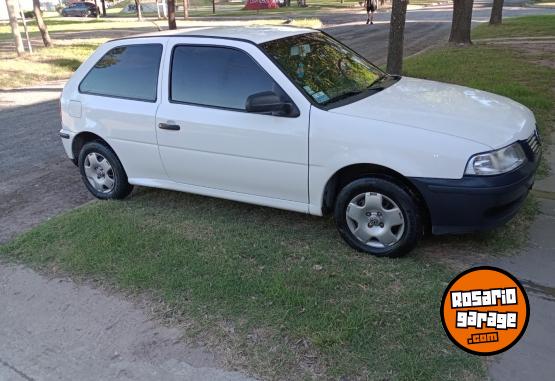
338,141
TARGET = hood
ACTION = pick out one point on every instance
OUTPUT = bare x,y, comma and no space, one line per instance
454,110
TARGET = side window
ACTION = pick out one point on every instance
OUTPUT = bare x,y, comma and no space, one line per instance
217,76
127,72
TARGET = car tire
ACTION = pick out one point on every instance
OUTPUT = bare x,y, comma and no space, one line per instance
378,216
102,172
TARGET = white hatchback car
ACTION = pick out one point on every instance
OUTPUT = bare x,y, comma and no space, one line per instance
290,118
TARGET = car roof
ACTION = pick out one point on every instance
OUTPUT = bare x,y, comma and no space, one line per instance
256,34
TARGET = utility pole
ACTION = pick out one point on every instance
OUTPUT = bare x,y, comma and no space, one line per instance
25,27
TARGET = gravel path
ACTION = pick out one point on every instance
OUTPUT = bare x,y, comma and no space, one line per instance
53,329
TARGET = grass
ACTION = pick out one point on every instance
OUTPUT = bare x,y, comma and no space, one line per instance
525,26
297,299
60,24
55,63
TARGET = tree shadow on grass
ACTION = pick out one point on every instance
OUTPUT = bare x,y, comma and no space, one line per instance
66,63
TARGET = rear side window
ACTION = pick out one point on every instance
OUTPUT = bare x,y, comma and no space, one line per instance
217,76
126,72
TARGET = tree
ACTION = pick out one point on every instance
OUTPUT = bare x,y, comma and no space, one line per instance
97,13
214,6
12,14
103,8
185,9
40,23
171,14
139,12
462,21
496,12
396,36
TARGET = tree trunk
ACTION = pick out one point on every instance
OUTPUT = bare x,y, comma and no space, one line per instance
496,12
97,13
214,6
462,21
396,37
171,14
12,14
40,23
103,8
139,12
185,9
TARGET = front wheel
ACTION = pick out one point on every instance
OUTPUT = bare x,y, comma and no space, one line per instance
102,172
378,217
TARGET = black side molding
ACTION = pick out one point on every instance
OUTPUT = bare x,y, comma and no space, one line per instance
63,135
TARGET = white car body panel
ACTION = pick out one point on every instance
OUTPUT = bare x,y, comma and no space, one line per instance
255,33
127,125
447,109
416,128
238,151
409,151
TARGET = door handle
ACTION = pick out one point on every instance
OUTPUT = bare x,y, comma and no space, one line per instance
167,126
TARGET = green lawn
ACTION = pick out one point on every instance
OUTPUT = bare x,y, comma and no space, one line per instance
55,63
294,295
60,24
280,290
525,26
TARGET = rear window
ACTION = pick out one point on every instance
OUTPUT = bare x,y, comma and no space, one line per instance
126,72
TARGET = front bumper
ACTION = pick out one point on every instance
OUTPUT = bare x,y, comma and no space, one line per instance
475,203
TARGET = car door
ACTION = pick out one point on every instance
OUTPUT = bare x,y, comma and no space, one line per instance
207,139
117,100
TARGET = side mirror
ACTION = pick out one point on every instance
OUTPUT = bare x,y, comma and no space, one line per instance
268,102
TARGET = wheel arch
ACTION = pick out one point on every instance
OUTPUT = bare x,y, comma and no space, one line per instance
353,172
83,138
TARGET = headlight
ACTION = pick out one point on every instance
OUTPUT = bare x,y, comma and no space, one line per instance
496,162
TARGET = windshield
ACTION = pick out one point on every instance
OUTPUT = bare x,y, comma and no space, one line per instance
326,70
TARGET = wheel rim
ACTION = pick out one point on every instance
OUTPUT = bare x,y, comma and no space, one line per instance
375,220
99,172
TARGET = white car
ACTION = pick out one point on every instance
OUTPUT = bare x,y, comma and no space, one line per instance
290,118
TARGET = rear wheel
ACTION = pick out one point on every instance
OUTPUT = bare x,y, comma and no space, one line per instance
378,217
102,172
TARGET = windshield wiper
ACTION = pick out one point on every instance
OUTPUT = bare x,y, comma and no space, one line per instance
348,94
384,77
352,93
379,80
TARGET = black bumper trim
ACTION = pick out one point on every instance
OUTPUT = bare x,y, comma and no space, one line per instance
475,203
